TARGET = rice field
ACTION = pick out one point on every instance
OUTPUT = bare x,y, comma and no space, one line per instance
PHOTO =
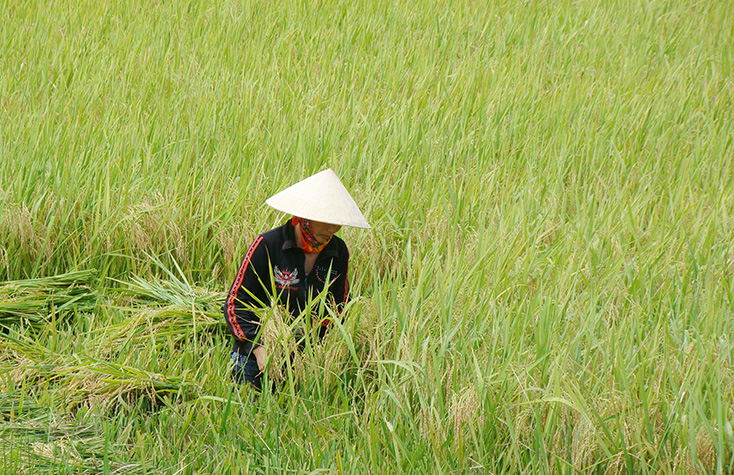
547,287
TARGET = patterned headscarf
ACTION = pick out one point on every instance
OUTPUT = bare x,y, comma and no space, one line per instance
310,243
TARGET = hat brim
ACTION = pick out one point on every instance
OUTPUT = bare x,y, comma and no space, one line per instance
320,197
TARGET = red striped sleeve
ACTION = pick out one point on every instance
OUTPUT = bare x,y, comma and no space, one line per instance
231,316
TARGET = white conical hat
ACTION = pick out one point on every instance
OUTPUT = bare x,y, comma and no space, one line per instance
320,197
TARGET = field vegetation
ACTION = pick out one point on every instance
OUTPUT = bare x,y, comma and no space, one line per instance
547,287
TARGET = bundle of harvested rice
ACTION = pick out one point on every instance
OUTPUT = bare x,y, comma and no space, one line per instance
33,301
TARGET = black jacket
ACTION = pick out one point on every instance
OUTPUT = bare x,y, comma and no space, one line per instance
275,262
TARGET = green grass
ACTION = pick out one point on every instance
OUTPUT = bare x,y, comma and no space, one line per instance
547,287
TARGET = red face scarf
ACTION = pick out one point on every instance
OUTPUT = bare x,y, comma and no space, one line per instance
310,243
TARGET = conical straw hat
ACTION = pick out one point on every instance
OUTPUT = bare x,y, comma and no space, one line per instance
320,197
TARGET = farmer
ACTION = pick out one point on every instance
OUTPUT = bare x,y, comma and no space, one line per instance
289,264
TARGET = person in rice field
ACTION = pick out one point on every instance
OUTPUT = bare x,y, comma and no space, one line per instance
290,264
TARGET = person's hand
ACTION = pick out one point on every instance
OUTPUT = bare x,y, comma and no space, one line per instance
259,353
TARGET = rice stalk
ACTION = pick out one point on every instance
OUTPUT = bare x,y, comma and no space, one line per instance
173,291
81,379
34,302
44,444
159,326
550,189
282,336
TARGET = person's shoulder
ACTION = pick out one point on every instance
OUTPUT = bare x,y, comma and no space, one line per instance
277,233
341,246
271,234
265,239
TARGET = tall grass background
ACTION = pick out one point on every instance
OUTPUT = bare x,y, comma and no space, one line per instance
547,287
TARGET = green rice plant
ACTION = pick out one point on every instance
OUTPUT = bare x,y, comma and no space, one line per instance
78,379
164,313
174,289
547,287
35,301
42,445
171,326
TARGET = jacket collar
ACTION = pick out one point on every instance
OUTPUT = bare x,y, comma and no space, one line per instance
289,242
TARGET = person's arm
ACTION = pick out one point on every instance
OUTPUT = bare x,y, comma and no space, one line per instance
339,288
248,291
341,284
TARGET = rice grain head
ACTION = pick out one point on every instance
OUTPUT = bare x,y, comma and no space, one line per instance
465,409
4,262
584,446
706,451
18,221
277,337
430,425
334,356
228,241
60,451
